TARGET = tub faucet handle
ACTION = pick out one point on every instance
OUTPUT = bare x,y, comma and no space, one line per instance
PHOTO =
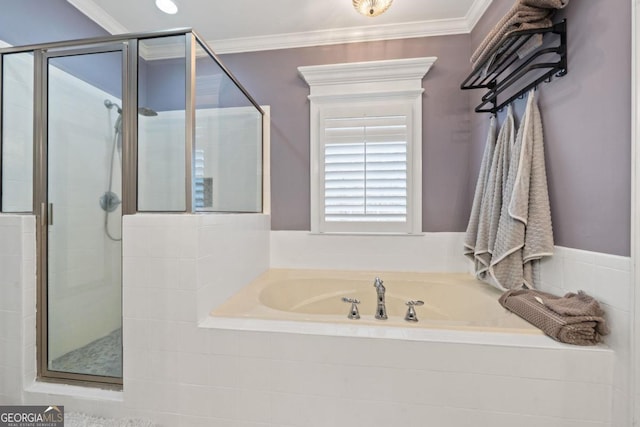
353,311
411,315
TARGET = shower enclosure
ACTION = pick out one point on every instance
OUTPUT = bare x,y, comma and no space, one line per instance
94,129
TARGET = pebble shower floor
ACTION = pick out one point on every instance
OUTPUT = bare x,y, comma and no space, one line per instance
100,357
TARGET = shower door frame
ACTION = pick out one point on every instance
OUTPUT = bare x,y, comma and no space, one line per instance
128,45
129,55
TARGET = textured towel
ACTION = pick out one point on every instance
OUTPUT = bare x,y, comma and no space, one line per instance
524,233
524,15
530,199
545,4
492,199
573,319
471,235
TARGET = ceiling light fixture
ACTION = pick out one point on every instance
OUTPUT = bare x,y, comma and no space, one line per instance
167,6
371,8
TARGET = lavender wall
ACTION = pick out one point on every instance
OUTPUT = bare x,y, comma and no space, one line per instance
36,21
587,126
586,116
28,22
272,78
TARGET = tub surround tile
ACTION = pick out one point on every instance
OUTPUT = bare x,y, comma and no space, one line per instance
135,303
187,273
177,373
10,234
139,364
613,287
165,366
134,334
608,279
621,408
315,412
257,374
605,277
206,401
224,342
223,370
193,368
426,252
191,339
254,406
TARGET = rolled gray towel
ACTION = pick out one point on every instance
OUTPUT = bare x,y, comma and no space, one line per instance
573,319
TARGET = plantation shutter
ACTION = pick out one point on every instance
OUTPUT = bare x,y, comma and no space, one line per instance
366,168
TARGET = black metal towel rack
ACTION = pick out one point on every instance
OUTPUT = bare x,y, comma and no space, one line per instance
504,69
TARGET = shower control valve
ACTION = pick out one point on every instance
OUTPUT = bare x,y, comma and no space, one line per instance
353,311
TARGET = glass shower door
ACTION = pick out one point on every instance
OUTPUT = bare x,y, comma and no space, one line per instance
84,193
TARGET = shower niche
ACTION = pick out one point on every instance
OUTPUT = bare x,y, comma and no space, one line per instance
94,129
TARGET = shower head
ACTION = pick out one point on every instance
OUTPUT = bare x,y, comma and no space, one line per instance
143,111
109,104
147,112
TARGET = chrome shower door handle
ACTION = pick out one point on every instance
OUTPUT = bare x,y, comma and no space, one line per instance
46,214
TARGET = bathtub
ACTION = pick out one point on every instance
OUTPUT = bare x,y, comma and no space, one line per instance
456,307
465,359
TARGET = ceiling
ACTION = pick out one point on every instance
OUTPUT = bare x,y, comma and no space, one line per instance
249,25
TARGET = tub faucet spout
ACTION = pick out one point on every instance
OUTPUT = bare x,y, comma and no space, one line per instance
381,309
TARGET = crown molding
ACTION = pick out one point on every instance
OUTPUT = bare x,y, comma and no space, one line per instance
442,27
342,35
476,11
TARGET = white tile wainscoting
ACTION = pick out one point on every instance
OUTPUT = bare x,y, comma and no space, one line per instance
177,267
17,306
608,279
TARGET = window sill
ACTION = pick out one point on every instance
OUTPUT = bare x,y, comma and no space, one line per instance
365,233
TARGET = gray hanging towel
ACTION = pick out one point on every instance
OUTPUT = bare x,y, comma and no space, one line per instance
471,235
524,232
492,200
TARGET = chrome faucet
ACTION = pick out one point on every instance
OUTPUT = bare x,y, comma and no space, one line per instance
381,309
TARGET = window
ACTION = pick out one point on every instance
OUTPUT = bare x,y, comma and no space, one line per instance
366,135
365,168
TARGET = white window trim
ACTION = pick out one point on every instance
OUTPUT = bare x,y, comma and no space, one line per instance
398,80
